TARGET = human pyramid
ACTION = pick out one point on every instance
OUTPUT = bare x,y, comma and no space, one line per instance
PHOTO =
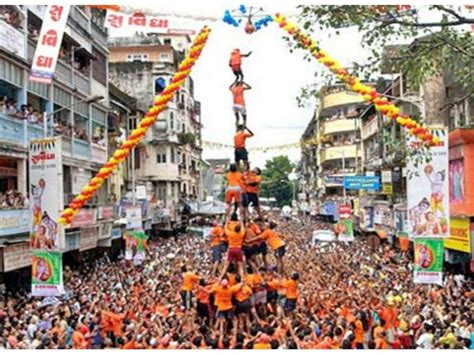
244,288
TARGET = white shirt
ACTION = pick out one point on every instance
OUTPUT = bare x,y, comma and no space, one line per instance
425,341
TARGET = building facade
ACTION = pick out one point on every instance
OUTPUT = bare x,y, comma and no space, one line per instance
73,107
336,149
168,161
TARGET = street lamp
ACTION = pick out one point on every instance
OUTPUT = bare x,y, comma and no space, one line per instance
88,100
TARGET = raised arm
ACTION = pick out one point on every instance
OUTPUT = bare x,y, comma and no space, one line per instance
246,55
248,130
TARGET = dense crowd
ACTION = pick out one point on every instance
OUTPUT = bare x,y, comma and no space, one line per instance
13,199
342,296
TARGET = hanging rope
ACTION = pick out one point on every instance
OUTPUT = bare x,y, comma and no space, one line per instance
160,104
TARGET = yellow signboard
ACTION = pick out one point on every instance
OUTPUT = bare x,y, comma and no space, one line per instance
459,236
387,189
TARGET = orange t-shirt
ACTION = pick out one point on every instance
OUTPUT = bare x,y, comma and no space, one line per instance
78,340
359,332
130,345
223,299
238,94
235,59
253,280
216,236
272,238
235,179
189,280
242,292
239,139
291,289
251,178
262,346
235,239
255,228
203,295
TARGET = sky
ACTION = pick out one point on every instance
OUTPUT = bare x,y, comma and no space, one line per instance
275,74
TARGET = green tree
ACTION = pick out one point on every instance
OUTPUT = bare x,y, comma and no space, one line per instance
444,42
275,181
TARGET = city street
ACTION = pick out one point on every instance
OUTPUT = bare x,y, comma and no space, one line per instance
236,177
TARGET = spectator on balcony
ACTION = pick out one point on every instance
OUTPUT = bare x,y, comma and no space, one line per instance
12,108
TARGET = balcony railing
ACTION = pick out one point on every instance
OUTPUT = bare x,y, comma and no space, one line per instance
82,149
99,153
12,129
82,82
82,20
14,221
98,35
63,72
347,151
340,125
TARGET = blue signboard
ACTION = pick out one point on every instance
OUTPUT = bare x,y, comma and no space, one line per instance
14,221
330,208
362,182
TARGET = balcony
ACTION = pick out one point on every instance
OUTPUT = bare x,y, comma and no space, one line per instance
339,125
12,130
63,72
82,149
159,172
82,82
339,99
14,221
100,36
81,19
334,153
99,153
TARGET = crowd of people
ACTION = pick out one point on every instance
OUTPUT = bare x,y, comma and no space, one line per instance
25,112
13,200
333,296
11,16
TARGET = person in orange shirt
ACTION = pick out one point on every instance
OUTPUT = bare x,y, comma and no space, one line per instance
276,243
235,63
235,233
252,182
237,88
292,293
223,299
263,342
203,301
243,294
235,182
216,235
189,281
241,153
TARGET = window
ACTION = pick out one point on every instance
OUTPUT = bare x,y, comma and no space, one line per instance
183,128
171,121
161,157
99,67
167,41
137,57
162,191
173,155
164,56
160,84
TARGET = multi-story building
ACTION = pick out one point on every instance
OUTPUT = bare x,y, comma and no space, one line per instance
214,177
336,150
74,107
168,160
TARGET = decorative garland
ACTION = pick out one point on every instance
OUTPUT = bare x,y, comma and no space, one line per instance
382,104
160,104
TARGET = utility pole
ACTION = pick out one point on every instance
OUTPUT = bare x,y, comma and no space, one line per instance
344,175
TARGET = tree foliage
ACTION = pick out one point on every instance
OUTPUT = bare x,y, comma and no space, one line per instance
443,44
275,181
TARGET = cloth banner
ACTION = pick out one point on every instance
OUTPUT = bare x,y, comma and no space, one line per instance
428,267
428,190
346,230
136,243
46,195
49,43
47,273
141,21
